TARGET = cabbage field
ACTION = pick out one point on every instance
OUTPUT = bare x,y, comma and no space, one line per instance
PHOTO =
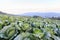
28,28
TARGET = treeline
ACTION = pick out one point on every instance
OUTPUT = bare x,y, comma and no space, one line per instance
58,18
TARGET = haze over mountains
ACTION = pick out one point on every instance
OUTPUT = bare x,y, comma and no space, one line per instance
46,14
42,14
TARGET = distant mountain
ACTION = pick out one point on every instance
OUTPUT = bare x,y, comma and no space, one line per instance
46,14
42,14
2,12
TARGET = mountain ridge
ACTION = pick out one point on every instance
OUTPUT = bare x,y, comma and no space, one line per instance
46,14
42,14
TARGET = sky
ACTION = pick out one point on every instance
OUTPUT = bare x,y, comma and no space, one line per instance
24,6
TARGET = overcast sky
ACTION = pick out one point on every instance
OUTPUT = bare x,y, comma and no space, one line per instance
23,6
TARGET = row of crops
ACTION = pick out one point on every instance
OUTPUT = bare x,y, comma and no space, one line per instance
28,28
